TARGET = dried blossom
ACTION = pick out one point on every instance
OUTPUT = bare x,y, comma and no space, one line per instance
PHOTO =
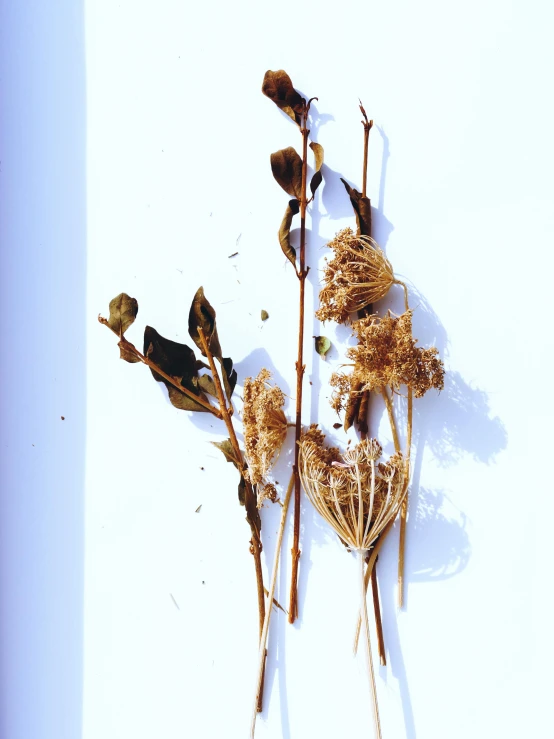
358,274
387,355
355,494
265,428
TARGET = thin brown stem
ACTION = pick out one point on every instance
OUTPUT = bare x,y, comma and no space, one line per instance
369,659
390,411
367,124
270,598
377,612
249,496
131,348
301,274
404,509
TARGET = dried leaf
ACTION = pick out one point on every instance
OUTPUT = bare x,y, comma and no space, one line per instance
284,231
229,376
264,315
315,182
202,314
286,166
127,355
208,385
277,86
337,425
242,490
322,345
227,448
123,311
178,361
362,208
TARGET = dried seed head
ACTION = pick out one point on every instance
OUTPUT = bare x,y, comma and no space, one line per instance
387,355
358,274
356,496
265,429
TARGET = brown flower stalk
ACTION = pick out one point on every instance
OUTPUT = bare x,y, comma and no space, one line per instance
359,497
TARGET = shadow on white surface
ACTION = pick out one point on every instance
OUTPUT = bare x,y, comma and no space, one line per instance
43,268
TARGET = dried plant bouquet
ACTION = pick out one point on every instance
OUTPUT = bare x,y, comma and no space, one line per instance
358,492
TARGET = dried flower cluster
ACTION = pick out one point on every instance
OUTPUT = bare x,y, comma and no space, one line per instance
387,355
358,274
265,429
355,494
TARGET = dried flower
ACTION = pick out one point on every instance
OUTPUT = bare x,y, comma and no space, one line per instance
357,496
358,274
265,428
387,355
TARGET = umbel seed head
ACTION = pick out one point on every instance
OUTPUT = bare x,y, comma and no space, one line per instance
358,274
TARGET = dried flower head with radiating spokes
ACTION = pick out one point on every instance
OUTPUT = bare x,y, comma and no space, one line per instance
387,355
355,494
265,429
358,274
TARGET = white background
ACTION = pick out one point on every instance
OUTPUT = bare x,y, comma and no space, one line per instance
135,157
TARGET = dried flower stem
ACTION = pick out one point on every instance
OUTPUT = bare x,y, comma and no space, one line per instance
300,367
265,629
377,613
131,348
365,621
367,124
390,411
404,509
374,553
250,496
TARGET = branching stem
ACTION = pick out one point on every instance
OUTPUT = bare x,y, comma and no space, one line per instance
131,348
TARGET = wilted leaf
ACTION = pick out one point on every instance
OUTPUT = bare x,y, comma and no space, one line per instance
127,355
286,166
284,231
277,86
202,314
242,490
264,315
362,208
315,182
322,345
123,311
207,385
178,361
229,376
337,425
227,448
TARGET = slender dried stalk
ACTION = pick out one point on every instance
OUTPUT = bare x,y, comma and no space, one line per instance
392,420
404,509
265,629
131,348
377,614
250,496
369,659
300,367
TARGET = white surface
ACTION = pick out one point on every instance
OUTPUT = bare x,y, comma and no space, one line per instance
178,137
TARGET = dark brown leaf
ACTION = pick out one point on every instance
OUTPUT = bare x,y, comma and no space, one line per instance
362,208
315,182
123,311
286,166
229,453
229,376
178,361
242,490
277,86
202,314
127,355
207,384
284,231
